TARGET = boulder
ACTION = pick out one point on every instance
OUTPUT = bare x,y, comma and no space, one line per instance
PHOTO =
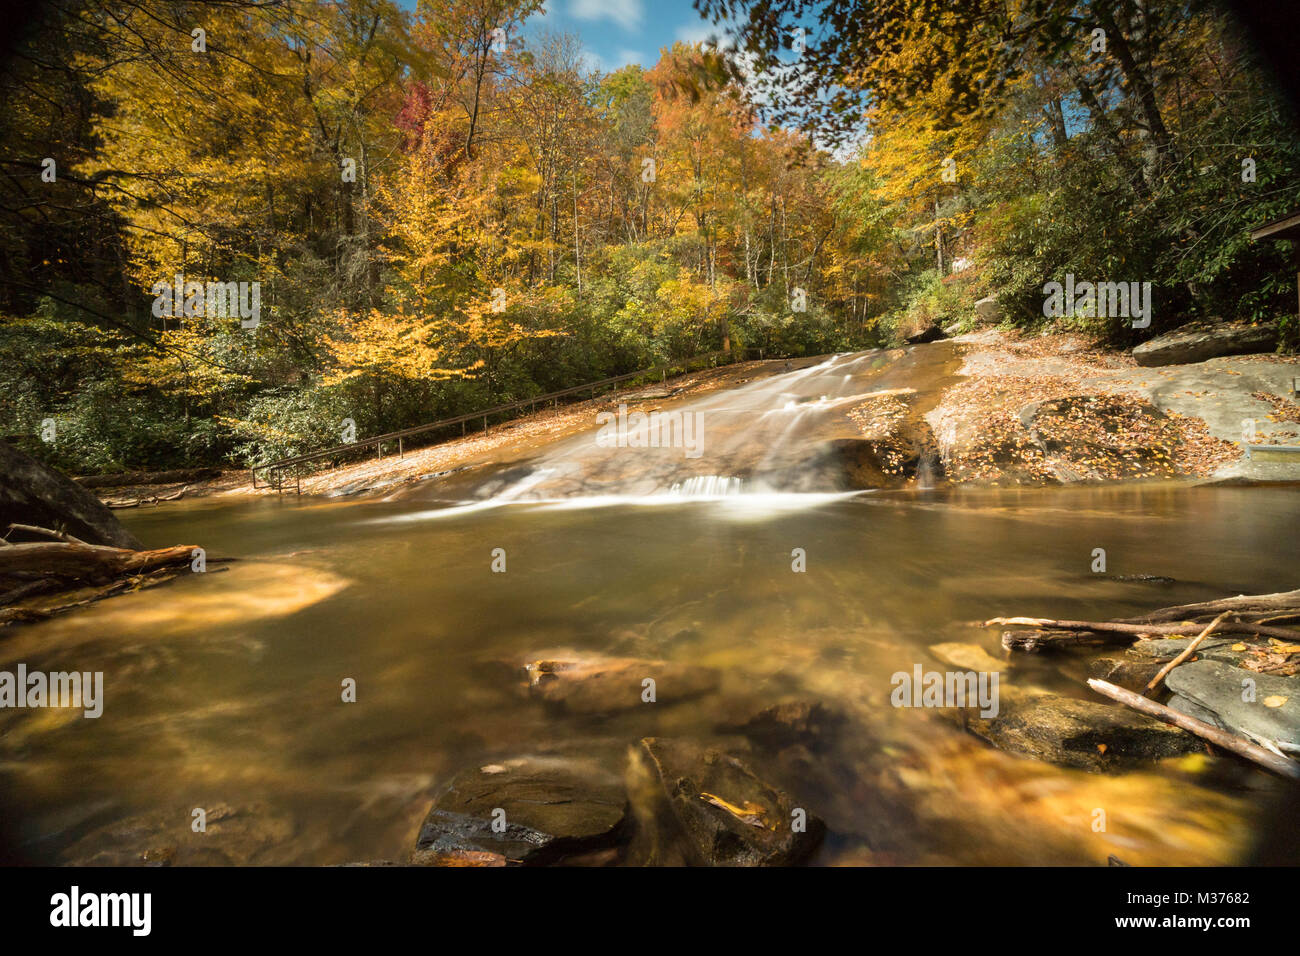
605,685
987,311
1200,342
1085,734
697,805
555,810
915,330
1273,714
33,493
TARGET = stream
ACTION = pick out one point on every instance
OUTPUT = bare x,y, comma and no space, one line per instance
223,690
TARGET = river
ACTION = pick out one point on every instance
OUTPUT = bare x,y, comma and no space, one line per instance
223,690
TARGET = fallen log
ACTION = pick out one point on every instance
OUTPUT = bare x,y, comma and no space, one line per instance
1221,738
87,562
1034,642
1266,603
1142,630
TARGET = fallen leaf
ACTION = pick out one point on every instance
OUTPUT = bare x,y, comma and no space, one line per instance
1276,700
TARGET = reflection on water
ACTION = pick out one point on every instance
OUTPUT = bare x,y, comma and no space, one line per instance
223,690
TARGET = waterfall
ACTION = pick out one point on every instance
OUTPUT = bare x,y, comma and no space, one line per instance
706,486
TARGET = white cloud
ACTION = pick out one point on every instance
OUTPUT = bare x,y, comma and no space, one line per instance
631,56
626,13
696,32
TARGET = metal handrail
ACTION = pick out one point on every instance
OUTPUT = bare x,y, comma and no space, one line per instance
398,436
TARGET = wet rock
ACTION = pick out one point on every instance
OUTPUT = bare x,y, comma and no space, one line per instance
987,311
1080,733
1131,672
1272,714
917,334
794,723
697,805
1200,342
554,809
970,657
33,493
604,685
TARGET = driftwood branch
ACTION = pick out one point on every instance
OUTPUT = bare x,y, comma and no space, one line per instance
1221,738
1142,630
117,505
1265,603
47,532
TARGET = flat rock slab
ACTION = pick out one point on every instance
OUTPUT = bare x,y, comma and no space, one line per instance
1273,714
606,685
1084,734
712,806
1198,344
555,809
1192,709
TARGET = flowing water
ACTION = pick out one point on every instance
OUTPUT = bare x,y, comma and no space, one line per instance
223,690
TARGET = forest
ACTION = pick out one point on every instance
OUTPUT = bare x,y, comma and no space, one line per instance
441,209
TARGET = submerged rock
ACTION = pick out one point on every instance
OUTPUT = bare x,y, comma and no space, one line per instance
795,723
1084,734
603,685
544,809
1128,671
251,834
969,657
1201,342
1272,713
697,805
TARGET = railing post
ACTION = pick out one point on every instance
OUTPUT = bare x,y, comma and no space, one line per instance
401,452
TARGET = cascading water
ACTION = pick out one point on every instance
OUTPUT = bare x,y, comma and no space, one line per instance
707,486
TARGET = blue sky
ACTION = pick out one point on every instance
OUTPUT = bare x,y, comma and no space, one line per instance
617,32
